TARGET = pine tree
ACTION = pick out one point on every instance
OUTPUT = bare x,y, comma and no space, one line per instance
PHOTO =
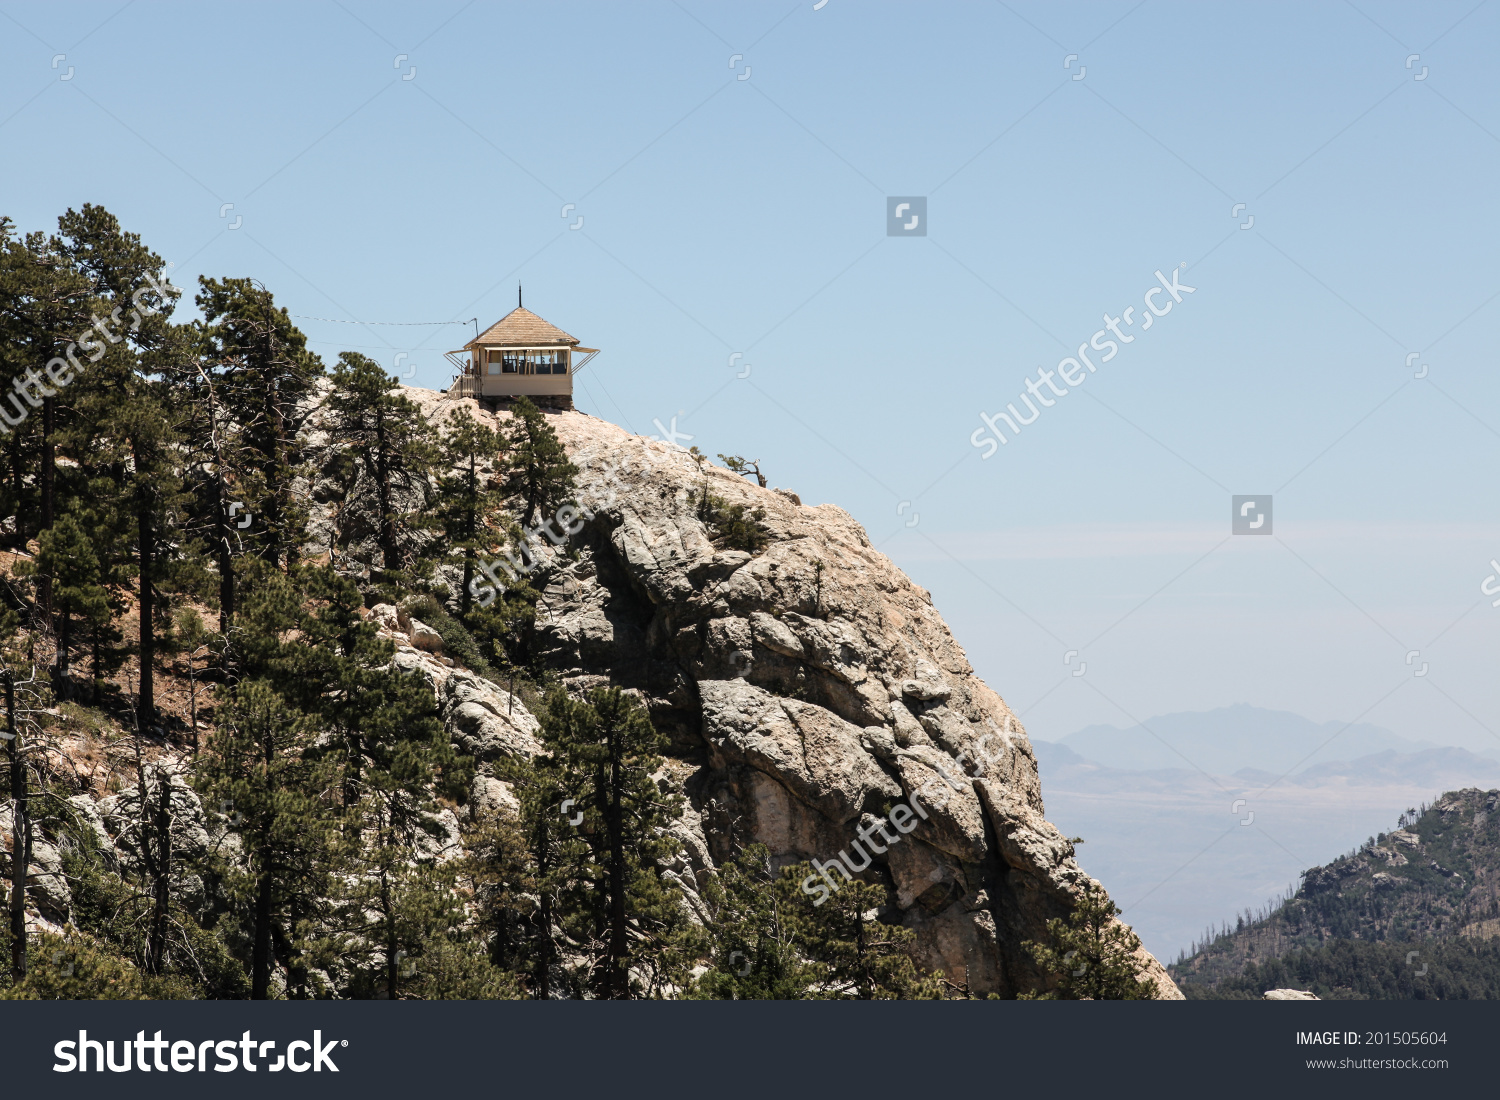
66,556
538,472
1091,956
744,467
466,508
92,496
545,856
158,818
387,437
752,943
733,526
615,900
45,304
123,428
506,628
410,934
193,642
257,380
384,759
94,291
385,719
859,956
503,872
262,770
403,759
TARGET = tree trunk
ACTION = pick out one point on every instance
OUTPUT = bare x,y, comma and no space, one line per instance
49,464
225,557
20,843
392,952
162,886
275,515
193,701
260,952
146,707
383,484
18,489
221,520
541,980
354,772
260,957
96,650
296,971
619,943
466,600
48,480
64,643
471,528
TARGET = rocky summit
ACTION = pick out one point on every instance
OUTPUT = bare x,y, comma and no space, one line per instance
807,688
808,696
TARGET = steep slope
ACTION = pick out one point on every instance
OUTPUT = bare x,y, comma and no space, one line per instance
807,689
1423,897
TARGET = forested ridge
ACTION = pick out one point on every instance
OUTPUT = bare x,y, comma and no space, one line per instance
1410,914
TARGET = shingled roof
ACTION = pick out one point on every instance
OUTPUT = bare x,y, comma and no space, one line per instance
520,328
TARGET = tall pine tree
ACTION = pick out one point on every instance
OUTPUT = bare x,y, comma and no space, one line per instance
259,379
466,508
616,900
538,473
389,442
262,770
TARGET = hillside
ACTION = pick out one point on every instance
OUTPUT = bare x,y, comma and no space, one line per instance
802,689
317,685
1412,913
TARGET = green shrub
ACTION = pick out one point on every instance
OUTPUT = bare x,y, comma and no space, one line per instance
733,526
457,641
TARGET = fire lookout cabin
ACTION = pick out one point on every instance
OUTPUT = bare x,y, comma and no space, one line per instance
519,355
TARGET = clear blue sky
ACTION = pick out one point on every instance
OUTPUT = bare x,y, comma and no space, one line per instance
725,215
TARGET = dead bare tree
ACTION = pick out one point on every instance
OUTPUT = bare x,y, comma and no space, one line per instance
21,749
744,467
20,832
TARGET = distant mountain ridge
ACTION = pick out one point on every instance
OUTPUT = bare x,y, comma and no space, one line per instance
1438,767
1225,740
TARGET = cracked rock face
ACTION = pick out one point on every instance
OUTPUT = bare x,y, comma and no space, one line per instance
807,689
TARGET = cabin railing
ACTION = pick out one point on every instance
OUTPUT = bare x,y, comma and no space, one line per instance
464,386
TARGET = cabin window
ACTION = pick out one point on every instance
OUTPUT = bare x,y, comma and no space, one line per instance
532,361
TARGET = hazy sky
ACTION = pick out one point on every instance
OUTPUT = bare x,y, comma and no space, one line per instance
409,163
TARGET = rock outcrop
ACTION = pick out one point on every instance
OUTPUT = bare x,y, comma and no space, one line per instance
808,689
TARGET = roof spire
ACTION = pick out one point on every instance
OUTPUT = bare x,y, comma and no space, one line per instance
518,295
